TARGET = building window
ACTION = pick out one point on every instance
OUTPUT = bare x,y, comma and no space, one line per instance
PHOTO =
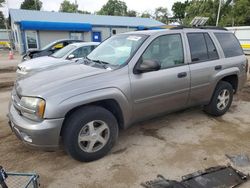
76,36
114,32
31,39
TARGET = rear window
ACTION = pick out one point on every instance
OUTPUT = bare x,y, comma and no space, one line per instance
230,45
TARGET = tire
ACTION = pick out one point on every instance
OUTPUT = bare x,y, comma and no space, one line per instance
216,107
89,127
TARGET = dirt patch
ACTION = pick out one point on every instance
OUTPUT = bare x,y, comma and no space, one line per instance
244,94
7,85
152,132
8,69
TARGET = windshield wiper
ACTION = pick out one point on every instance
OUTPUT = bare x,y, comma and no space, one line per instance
103,63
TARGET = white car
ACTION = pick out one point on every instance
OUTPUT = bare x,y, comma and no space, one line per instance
70,53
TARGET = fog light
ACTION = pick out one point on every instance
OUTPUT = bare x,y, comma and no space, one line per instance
26,137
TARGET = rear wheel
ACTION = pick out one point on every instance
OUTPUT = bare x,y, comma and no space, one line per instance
90,133
221,100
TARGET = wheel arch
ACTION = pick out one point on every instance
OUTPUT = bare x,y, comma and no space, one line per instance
109,104
233,80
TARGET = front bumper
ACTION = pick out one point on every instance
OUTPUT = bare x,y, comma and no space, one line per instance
43,135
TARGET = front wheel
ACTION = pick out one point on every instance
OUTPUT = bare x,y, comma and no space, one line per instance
90,133
221,100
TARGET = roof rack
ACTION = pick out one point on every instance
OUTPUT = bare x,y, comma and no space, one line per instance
199,27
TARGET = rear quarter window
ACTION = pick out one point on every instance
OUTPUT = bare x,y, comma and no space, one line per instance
229,44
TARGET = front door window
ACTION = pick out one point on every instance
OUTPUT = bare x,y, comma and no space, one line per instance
31,40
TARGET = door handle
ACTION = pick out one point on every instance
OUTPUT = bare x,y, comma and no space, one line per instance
182,74
218,67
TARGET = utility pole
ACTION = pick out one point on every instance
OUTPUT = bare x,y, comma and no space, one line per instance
35,4
76,5
218,14
6,26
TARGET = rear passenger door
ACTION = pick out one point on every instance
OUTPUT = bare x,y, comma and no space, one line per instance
204,64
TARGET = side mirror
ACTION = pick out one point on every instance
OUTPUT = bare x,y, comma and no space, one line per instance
147,66
71,56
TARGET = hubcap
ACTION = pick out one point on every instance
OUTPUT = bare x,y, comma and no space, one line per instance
223,99
93,136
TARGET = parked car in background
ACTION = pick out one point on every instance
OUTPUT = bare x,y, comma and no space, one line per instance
128,78
72,52
48,49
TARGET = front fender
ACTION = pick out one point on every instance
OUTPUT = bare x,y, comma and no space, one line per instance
67,104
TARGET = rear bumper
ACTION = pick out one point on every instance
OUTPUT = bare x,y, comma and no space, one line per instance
43,135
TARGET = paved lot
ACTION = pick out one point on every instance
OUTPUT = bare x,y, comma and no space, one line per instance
172,145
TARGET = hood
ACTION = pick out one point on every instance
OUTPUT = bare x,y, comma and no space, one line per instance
45,81
40,63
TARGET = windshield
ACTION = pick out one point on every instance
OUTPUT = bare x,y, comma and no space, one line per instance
64,51
116,50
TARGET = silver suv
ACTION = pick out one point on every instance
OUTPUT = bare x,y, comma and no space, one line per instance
128,78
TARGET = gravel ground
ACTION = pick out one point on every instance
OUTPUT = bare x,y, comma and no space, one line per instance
172,145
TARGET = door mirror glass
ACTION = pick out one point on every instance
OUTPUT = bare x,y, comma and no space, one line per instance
147,66
71,56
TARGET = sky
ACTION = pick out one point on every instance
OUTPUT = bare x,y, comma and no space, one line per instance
95,5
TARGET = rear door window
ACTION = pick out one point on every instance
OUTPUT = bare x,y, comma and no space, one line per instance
202,47
212,52
230,44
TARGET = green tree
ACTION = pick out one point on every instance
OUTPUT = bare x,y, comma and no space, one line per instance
146,14
1,3
131,13
204,8
241,12
31,5
179,10
67,6
83,12
114,8
233,12
161,14
2,21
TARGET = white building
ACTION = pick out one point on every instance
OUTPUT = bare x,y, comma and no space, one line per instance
33,29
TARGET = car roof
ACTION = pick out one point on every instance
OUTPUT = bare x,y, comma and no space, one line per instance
62,40
80,44
153,32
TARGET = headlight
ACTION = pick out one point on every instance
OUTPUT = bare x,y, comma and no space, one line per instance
32,107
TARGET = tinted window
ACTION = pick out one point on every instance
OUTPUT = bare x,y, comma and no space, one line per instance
197,46
212,52
167,50
229,44
202,47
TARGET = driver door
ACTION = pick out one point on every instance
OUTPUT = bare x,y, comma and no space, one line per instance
167,89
